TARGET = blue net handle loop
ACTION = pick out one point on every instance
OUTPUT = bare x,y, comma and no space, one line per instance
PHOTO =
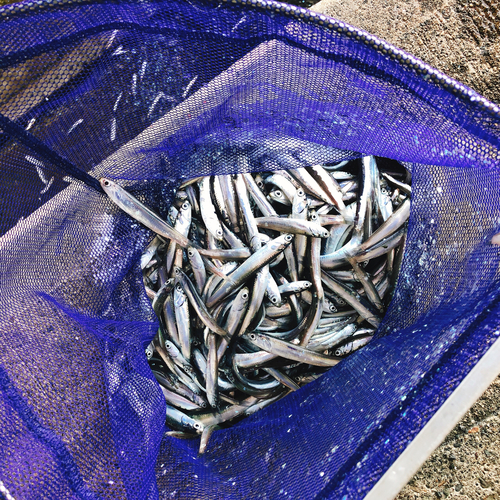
74,312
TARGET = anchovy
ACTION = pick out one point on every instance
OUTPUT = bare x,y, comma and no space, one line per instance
285,187
297,278
294,302
197,302
182,321
294,287
177,400
169,350
207,210
290,351
182,224
293,226
352,346
253,359
273,292
329,184
310,184
236,313
262,388
182,422
226,254
220,202
329,220
350,298
259,197
282,378
227,187
382,247
362,223
232,240
229,413
191,196
257,260
205,436
389,227
149,253
198,267
340,175
258,291
140,212
252,230
161,296
299,211
170,383
217,278
211,376
367,283
332,338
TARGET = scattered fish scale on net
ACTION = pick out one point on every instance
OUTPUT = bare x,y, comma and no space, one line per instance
261,282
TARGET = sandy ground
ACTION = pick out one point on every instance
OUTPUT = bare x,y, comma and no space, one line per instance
461,38
467,464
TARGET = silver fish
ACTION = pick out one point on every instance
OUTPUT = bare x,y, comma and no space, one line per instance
258,315
290,351
182,321
250,266
294,226
207,209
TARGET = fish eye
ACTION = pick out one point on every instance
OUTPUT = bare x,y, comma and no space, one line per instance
197,426
219,232
274,300
288,237
190,252
106,182
244,295
252,336
278,193
300,192
185,205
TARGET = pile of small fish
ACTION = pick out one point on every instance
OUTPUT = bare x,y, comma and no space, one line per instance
262,282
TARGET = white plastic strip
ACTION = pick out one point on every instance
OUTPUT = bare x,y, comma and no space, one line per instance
5,492
439,426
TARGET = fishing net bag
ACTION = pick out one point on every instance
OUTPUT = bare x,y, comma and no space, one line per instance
150,94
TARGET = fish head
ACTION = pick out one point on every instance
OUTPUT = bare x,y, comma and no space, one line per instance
322,233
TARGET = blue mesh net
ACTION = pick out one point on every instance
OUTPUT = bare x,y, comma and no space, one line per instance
149,94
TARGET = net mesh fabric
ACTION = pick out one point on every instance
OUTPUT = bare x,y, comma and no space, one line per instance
149,94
